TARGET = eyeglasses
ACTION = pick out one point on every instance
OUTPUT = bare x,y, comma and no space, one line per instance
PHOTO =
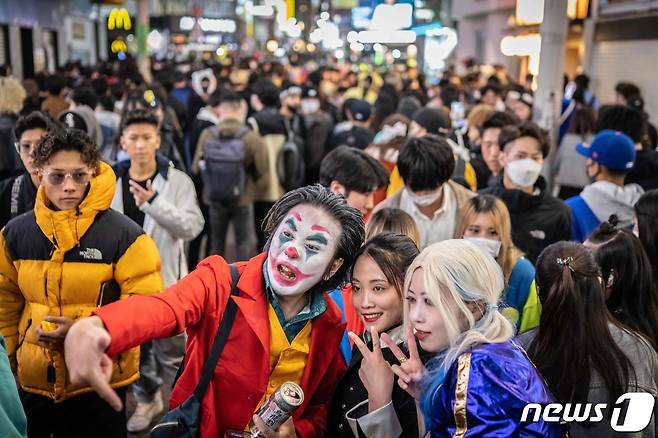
57,178
25,147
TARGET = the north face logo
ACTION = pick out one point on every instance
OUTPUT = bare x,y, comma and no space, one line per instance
91,254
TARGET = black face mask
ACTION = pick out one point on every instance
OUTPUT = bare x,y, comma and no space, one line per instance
292,109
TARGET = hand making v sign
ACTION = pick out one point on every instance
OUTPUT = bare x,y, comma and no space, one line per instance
411,370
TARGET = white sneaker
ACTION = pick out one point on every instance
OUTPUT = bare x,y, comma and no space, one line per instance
145,412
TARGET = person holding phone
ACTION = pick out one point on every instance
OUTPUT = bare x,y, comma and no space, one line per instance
57,264
162,200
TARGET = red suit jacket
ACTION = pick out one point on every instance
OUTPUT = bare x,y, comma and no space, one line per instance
196,304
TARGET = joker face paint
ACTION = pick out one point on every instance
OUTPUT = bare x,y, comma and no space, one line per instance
302,249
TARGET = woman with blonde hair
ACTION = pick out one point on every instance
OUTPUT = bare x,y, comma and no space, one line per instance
392,220
485,221
12,95
480,380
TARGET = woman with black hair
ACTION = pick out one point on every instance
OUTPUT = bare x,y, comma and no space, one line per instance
367,398
630,290
646,227
583,353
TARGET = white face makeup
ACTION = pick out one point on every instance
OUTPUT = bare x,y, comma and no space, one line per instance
301,250
426,320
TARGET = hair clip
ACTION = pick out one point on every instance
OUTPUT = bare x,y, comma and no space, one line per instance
565,262
491,307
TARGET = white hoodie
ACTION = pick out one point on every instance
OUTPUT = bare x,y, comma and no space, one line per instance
605,198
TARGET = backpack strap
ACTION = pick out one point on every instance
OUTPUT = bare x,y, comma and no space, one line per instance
220,338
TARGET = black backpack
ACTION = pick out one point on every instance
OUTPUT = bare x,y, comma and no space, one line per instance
222,169
290,162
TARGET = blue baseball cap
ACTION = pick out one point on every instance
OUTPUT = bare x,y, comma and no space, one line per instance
612,149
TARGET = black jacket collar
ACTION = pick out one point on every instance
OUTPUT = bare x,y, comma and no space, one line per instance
121,167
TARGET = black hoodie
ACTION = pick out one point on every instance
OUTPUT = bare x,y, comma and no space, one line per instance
537,220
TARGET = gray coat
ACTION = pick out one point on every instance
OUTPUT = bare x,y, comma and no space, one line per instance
645,363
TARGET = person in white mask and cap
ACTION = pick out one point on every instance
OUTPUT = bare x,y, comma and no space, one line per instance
538,219
429,196
485,221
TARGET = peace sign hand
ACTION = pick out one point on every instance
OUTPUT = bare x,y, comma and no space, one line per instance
411,370
375,372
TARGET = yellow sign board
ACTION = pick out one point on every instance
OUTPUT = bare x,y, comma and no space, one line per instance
119,19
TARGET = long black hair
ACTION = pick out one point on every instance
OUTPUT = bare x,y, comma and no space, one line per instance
574,337
646,211
628,277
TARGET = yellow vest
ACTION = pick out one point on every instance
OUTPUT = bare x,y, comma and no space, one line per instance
287,360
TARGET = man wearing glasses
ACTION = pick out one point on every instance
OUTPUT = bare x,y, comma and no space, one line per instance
17,194
58,263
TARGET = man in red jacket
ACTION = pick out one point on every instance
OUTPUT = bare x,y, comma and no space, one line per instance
285,328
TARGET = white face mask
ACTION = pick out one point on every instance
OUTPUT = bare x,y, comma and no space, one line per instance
310,106
491,247
523,173
424,200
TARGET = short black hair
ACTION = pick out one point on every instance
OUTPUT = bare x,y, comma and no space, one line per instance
35,120
499,119
107,102
491,87
55,84
66,140
349,218
85,96
449,94
230,97
622,118
267,93
354,169
426,163
139,115
434,120
582,81
527,129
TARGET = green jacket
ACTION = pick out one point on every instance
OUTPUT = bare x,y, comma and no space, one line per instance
12,417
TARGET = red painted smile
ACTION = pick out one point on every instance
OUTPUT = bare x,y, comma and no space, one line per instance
286,274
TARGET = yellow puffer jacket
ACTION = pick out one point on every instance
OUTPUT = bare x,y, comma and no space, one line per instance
55,263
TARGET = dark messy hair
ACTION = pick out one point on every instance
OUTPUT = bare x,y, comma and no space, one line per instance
393,253
267,93
85,96
66,140
354,169
627,273
35,120
499,119
574,337
622,118
349,218
646,211
528,129
139,115
425,163
627,89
